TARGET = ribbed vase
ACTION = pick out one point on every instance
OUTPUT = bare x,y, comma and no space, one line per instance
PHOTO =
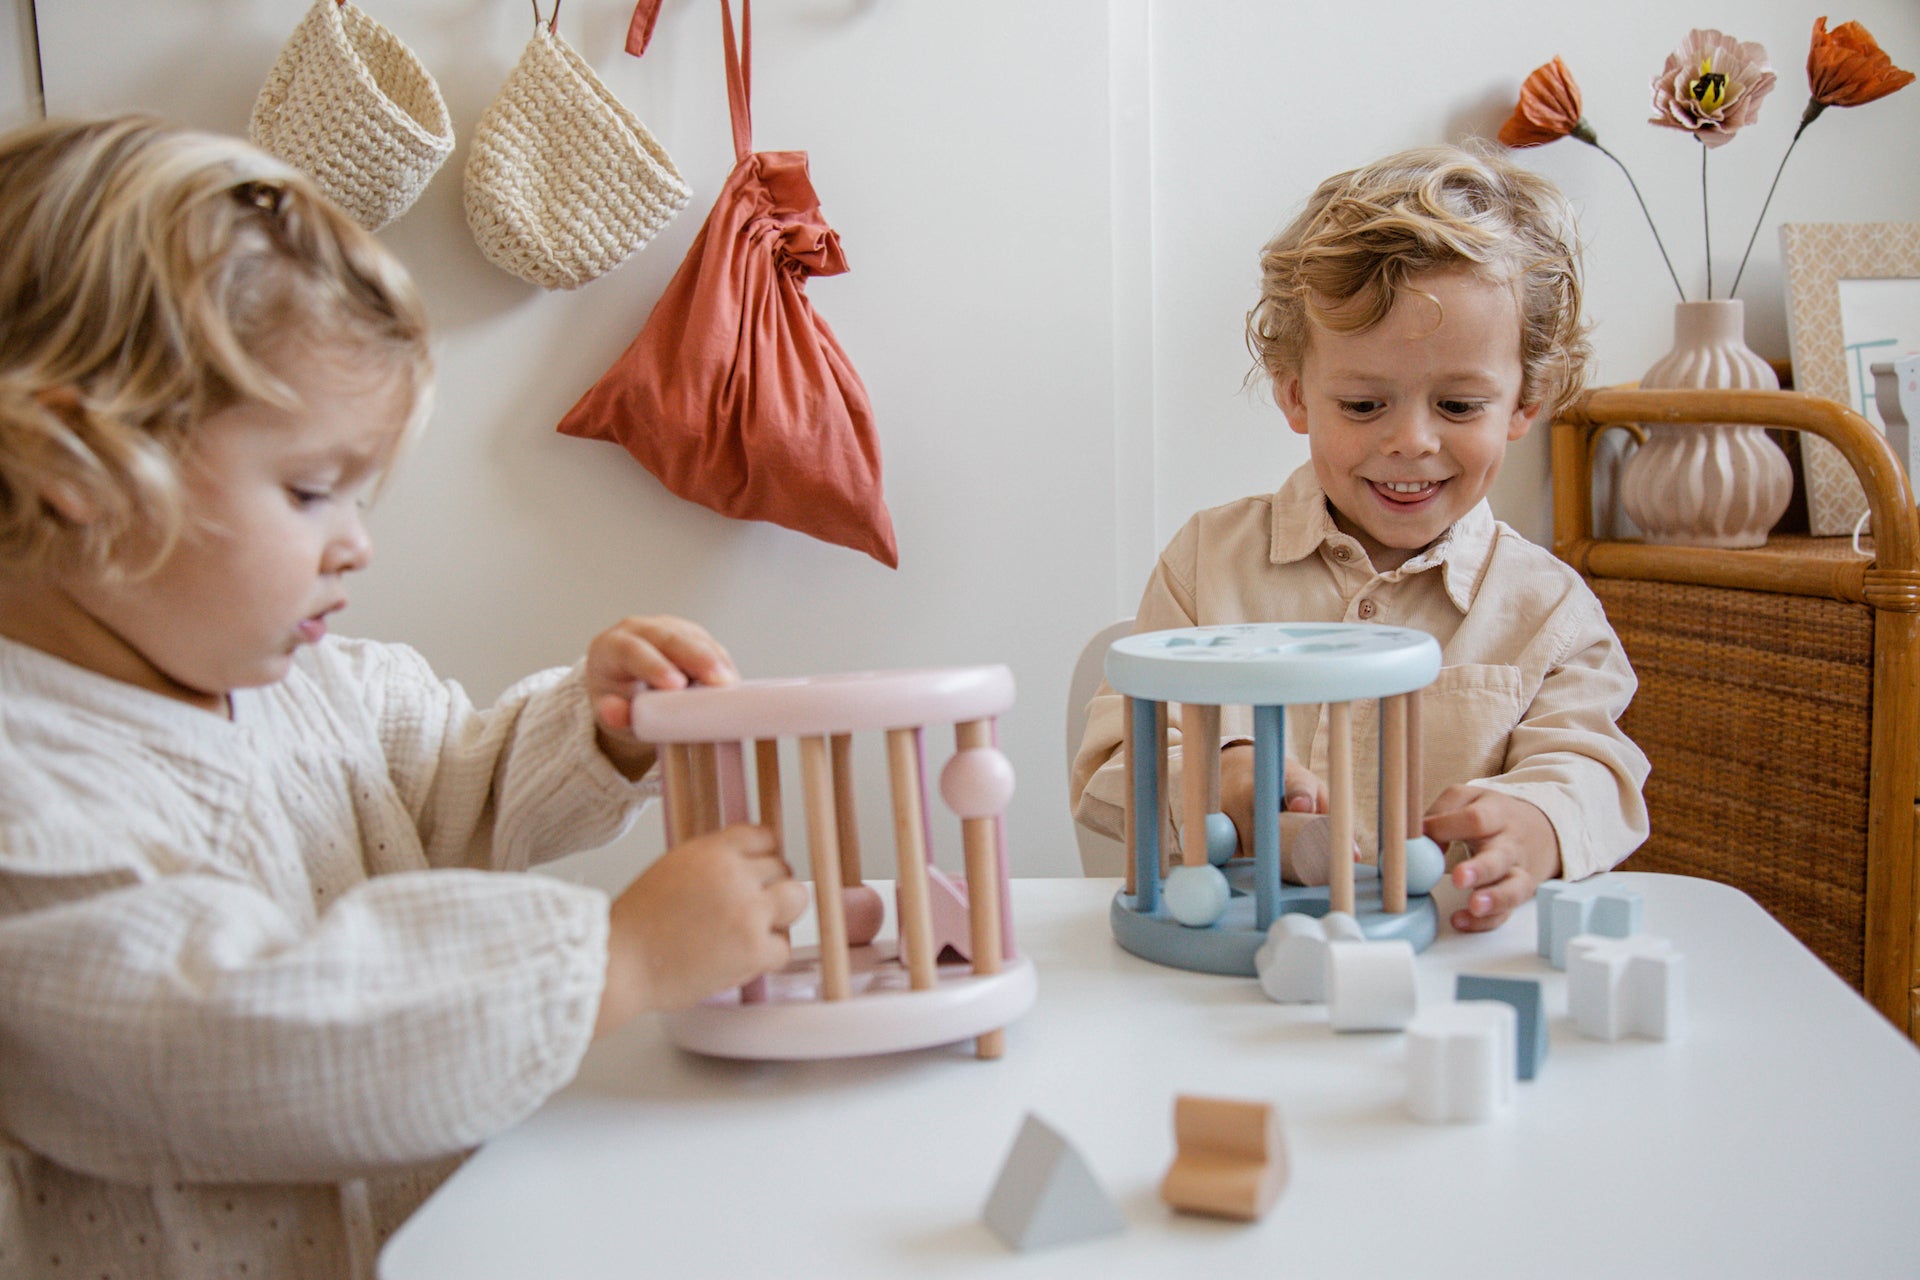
1708,484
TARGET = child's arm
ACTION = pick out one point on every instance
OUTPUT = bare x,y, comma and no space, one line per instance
1568,803
707,915
1096,785
547,769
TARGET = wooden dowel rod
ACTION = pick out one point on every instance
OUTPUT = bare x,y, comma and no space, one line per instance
1199,777
980,839
845,809
909,828
677,788
816,776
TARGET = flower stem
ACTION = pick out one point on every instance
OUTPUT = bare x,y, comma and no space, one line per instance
1706,223
1647,213
1805,120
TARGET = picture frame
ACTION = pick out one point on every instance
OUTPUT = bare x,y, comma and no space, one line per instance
1853,298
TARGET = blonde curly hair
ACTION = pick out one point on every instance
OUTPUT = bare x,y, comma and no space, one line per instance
1342,262
145,273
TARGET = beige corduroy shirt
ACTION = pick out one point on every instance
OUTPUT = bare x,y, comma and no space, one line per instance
261,979
1532,680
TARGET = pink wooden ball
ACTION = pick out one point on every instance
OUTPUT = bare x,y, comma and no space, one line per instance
864,911
977,783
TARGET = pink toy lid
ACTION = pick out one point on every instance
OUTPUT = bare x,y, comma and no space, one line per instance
811,706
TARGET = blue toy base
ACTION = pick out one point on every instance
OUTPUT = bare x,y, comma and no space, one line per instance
1229,945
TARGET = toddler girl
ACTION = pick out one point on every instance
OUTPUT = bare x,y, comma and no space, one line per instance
261,980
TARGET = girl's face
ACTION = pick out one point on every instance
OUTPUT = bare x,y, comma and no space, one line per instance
274,502
1409,421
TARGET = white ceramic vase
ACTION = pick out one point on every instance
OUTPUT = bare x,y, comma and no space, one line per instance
1708,484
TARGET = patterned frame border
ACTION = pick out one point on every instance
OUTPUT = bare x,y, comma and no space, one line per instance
1816,257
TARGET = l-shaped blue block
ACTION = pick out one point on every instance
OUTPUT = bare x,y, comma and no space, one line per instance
1525,996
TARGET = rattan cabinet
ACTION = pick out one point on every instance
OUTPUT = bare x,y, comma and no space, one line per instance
1779,691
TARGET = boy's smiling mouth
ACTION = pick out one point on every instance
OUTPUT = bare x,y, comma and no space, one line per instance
1405,491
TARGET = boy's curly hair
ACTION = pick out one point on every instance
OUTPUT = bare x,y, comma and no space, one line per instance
1340,264
145,273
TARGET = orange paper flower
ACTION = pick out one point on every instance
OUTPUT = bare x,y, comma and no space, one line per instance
1846,67
1549,108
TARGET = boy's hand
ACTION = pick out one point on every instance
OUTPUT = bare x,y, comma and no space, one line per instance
1302,792
646,653
706,915
1513,848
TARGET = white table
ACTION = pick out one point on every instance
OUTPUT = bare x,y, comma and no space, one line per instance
1780,1137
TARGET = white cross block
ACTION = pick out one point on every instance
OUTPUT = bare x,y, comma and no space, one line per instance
1566,910
1292,962
1460,1061
1626,986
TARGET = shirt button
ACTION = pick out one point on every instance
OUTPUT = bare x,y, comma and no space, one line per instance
1343,553
1368,609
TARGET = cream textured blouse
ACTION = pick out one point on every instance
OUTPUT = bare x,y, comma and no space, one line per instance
1532,678
261,983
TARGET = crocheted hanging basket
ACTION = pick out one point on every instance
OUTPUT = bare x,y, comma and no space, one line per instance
563,183
351,106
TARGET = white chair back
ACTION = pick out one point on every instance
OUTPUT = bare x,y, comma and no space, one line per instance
1100,855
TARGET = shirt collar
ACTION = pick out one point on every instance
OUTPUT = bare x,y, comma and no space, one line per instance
1302,524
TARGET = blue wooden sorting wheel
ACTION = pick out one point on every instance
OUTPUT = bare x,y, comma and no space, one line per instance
1214,918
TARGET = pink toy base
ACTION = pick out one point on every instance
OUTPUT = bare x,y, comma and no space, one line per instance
883,1015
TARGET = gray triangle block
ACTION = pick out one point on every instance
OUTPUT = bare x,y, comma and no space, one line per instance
1046,1195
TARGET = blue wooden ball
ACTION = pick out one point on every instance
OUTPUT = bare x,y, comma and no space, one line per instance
1223,839
1196,896
1426,863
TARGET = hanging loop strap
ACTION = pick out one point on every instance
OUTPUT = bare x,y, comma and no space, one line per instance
552,22
740,77
640,26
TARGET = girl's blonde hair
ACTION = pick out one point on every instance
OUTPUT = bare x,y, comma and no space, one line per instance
1340,264
146,272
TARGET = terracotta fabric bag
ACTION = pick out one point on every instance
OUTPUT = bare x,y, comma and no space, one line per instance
735,393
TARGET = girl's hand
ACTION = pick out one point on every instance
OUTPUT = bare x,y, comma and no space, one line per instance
646,653
706,915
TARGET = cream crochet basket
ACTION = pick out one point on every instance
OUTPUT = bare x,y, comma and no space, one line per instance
351,106
563,183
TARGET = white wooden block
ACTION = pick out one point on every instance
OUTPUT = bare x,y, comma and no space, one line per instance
1292,962
1461,1061
1045,1194
1370,985
1626,986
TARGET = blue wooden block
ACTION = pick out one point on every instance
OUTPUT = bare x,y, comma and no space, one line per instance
1528,1002
1595,906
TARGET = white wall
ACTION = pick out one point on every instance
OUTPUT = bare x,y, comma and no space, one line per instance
1052,212
19,65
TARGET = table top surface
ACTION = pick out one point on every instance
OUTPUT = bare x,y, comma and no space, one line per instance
1780,1136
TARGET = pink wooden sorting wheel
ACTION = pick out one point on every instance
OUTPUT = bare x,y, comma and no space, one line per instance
854,994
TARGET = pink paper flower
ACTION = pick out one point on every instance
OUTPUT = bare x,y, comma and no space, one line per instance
1711,86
